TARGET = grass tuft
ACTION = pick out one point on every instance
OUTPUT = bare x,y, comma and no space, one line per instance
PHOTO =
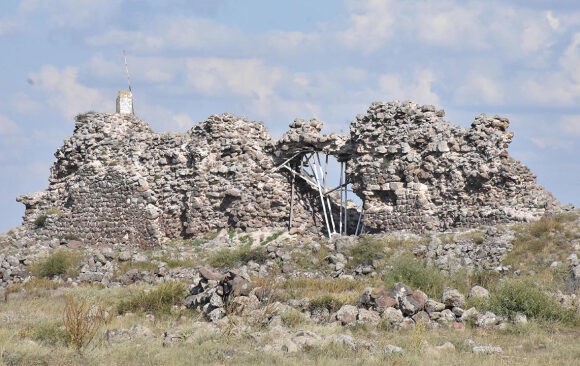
417,275
59,263
522,296
157,301
228,258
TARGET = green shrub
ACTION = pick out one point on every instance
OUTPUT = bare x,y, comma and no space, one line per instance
51,334
365,251
272,237
328,302
40,221
292,318
523,296
544,226
417,275
158,300
59,263
228,258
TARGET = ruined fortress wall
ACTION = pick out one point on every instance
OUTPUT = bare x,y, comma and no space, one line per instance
115,180
415,171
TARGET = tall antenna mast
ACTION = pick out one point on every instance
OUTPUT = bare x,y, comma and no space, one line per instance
127,70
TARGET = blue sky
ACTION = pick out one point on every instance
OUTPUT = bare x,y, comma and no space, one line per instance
278,60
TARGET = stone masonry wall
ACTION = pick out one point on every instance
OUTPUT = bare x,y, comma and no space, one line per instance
115,180
415,171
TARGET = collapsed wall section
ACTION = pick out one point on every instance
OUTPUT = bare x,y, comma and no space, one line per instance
417,172
235,185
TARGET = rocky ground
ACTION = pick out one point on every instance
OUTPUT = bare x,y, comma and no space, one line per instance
275,298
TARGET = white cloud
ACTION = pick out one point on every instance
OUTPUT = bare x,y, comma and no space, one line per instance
72,13
571,125
480,88
552,89
570,60
66,94
149,69
285,42
139,40
447,23
552,20
559,87
551,143
418,89
183,121
6,27
24,103
182,34
7,126
241,77
371,24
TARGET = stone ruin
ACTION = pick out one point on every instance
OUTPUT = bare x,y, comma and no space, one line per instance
117,181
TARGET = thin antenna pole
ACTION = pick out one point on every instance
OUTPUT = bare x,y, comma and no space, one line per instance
127,70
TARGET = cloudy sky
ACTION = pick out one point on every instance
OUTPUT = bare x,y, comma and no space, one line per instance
277,60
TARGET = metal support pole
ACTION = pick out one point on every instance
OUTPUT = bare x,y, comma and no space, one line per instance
321,198
340,205
345,201
292,200
360,215
329,210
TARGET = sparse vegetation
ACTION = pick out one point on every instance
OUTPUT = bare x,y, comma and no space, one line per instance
158,300
416,274
59,263
328,302
228,258
81,321
40,221
515,296
39,334
365,251
272,237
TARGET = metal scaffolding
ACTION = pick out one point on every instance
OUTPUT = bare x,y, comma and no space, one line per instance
313,170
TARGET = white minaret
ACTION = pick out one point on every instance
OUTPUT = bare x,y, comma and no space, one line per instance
125,97
125,102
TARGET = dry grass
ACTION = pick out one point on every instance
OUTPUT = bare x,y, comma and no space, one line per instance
30,336
81,321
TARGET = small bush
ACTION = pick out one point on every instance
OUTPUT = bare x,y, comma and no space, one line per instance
544,226
523,296
339,290
417,275
328,302
58,263
40,221
82,320
292,318
52,334
366,251
156,301
272,237
228,258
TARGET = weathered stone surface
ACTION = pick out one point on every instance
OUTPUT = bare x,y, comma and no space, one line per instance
368,316
347,314
393,316
453,298
391,350
478,292
117,181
